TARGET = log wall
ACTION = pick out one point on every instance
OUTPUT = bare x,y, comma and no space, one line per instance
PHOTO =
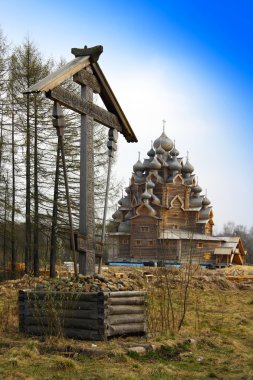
92,316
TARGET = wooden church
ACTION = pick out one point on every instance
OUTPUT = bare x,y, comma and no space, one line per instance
164,217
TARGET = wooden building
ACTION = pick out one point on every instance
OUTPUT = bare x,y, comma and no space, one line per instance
164,217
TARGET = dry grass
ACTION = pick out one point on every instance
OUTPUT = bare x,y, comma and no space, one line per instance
219,322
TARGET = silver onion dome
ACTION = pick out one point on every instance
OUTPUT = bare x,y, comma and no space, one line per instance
138,167
145,195
165,142
206,202
174,164
195,202
196,189
174,151
151,153
187,167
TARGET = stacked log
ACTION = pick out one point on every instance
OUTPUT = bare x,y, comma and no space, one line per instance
93,316
125,313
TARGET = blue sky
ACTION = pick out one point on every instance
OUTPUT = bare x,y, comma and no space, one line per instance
189,62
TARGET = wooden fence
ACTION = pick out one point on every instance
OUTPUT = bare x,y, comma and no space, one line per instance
94,316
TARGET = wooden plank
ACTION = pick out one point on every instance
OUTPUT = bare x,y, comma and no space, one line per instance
85,78
60,75
75,103
126,301
125,319
119,309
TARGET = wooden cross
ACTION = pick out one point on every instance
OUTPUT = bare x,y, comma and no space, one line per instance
164,122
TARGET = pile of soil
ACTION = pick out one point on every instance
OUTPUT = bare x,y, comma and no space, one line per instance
126,278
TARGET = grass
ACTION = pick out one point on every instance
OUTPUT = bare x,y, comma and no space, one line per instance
215,342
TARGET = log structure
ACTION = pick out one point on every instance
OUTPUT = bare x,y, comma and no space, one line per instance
164,217
86,72
94,316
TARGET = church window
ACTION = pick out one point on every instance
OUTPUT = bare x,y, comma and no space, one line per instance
137,242
200,245
144,229
150,243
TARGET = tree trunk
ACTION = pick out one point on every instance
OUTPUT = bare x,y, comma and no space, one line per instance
28,190
36,197
53,249
13,251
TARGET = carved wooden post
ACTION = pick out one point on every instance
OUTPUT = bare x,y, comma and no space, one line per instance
86,221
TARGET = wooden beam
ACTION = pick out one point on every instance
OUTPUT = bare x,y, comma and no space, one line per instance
60,75
77,104
112,104
85,78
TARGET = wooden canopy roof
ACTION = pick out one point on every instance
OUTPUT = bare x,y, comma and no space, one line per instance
84,58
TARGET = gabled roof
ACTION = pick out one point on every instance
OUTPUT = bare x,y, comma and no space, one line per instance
84,58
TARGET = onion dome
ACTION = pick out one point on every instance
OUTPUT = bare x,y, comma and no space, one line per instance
120,201
126,201
150,184
187,167
151,152
195,202
174,164
160,150
206,202
174,152
138,167
197,189
155,164
127,190
117,215
124,226
204,214
164,141
145,195
146,163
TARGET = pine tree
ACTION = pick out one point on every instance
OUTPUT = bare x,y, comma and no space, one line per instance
28,68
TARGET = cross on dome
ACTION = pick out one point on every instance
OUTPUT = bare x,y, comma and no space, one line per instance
164,122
